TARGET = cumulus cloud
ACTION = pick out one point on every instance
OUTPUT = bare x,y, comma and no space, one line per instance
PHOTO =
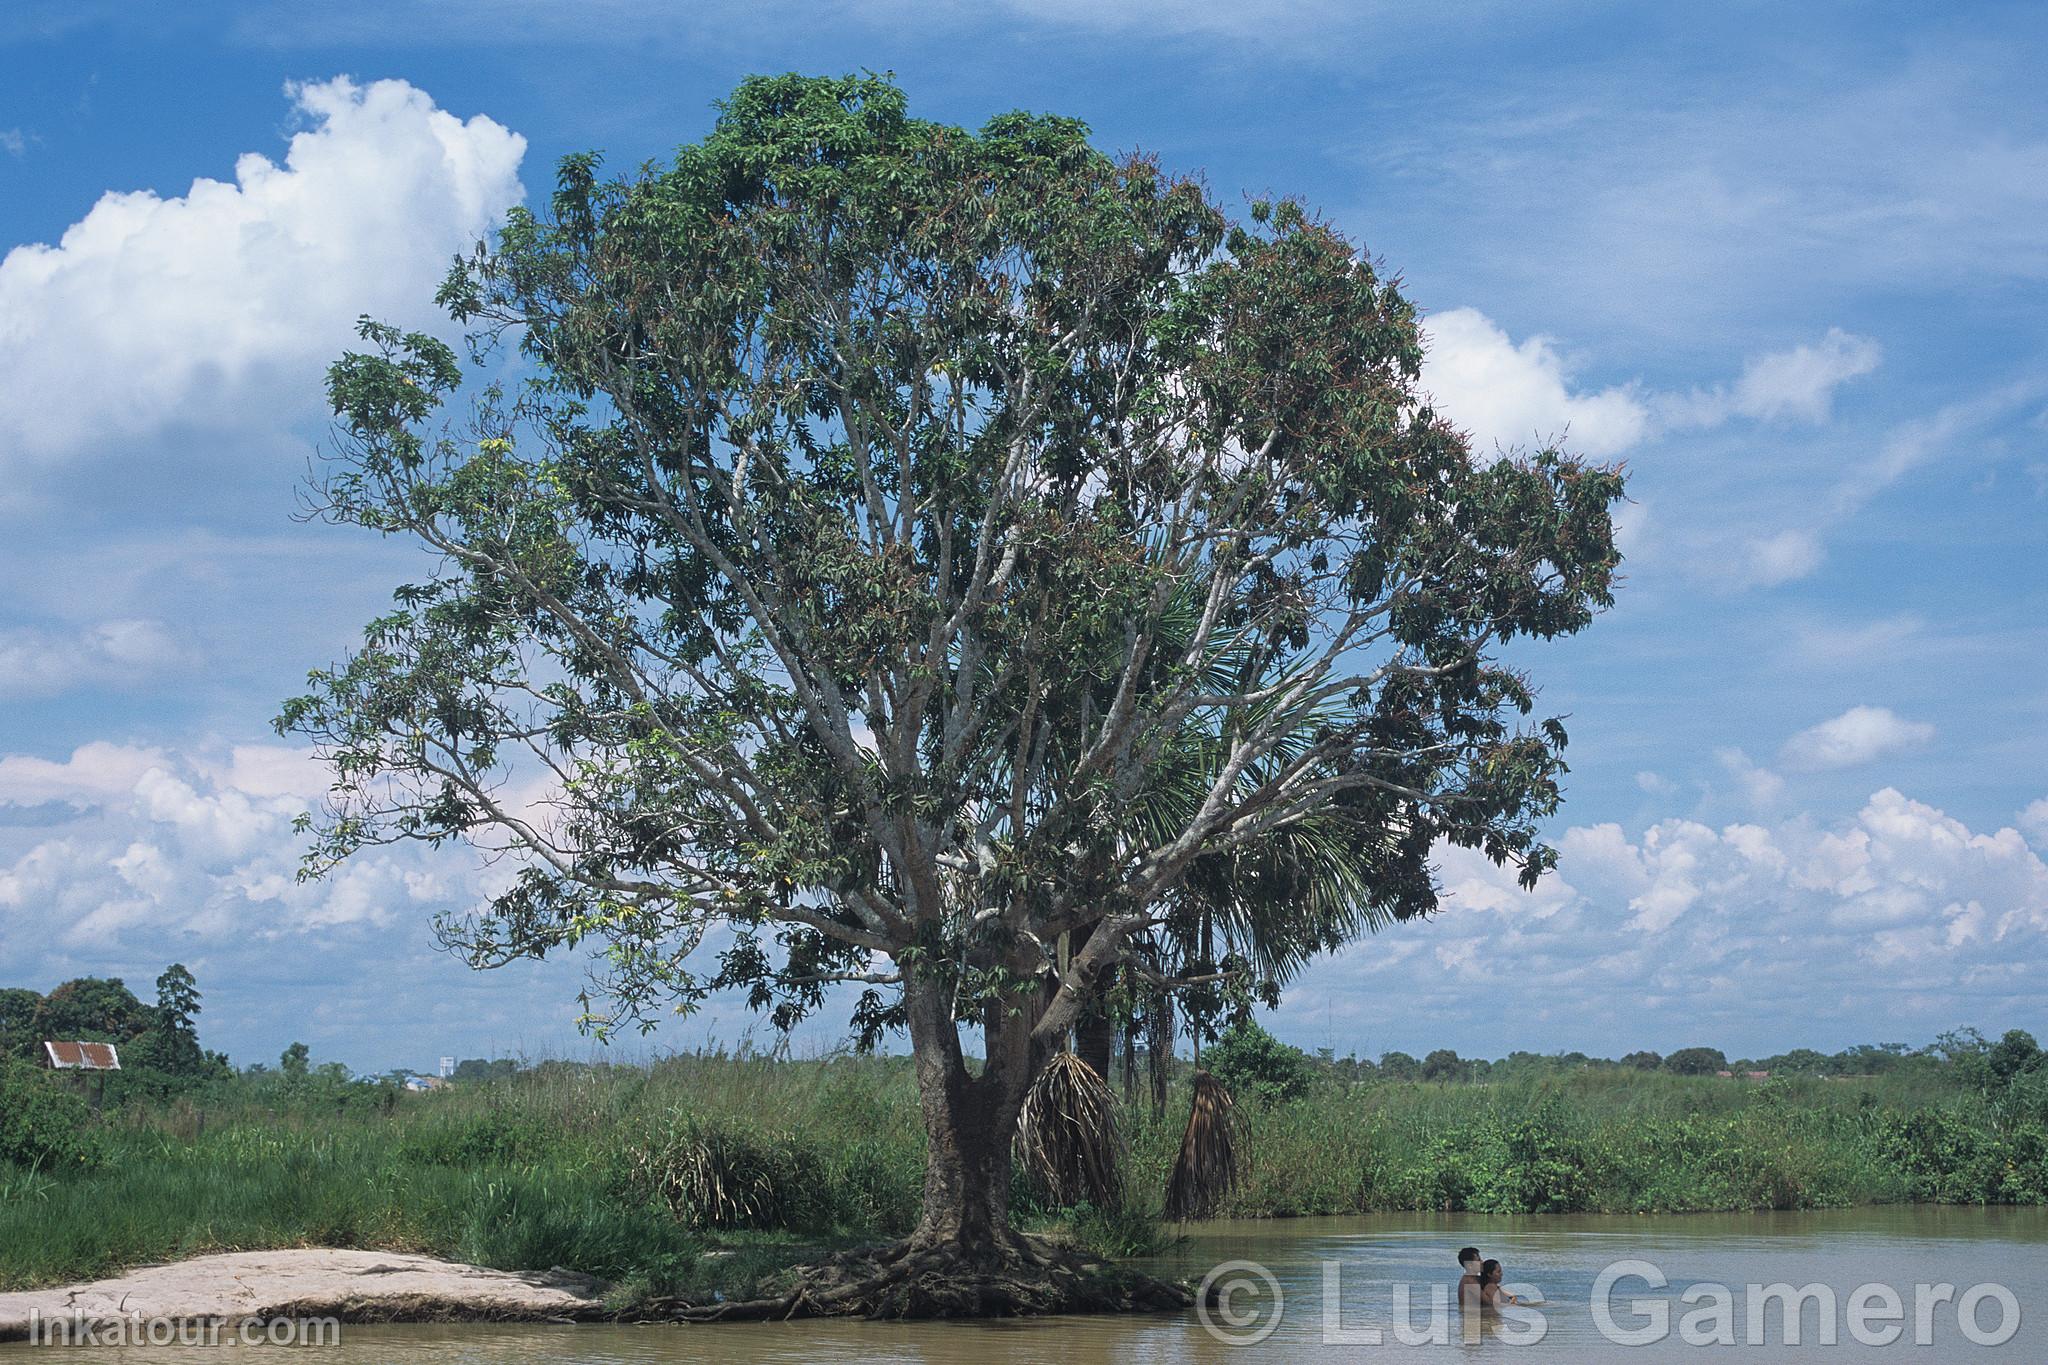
93,772
1746,935
1508,395
172,845
1759,786
219,307
1859,735
2033,822
124,653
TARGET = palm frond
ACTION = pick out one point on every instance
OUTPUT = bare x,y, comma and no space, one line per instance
1206,1169
1067,1136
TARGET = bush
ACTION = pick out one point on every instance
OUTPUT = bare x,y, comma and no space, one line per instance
493,1136
42,1125
1256,1065
716,1173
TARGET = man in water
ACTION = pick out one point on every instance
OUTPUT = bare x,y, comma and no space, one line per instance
1468,1284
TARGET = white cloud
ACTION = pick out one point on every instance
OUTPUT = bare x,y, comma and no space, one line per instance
161,843
1800,383
1765,934
2033,821
13,141
1791,385
220,307
1938,435
1510,395
1826,642
1860,734
1760,786
93,772
1767,561
41,663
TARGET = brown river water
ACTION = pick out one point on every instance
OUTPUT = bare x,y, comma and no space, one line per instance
1341,1280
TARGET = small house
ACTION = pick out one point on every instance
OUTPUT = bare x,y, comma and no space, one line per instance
82,1060
82,1056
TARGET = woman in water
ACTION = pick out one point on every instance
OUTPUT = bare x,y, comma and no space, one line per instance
1490,1295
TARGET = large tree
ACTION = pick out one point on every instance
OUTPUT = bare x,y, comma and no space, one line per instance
883,514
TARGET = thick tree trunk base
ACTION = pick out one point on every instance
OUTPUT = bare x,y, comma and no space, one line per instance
1031,1277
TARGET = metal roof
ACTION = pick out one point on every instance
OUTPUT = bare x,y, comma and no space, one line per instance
83,1056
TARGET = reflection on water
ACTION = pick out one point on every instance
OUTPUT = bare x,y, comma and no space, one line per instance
1560,1258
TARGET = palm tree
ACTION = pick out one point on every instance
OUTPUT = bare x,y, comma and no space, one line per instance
1242,923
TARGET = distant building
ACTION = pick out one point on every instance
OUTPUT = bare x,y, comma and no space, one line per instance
82,1056
425,1083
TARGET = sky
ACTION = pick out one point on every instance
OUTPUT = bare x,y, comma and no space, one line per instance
1788,264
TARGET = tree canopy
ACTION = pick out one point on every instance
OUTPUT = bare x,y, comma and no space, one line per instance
928,558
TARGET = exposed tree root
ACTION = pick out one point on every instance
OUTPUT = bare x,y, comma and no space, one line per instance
1030,1277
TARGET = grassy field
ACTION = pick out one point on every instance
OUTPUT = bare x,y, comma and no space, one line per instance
708,1172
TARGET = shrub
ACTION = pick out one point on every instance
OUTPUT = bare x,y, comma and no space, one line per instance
715,1173
495,1135
42,1125
1255,1064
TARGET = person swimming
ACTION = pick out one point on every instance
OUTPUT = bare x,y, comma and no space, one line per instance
1490,1295
1468,1283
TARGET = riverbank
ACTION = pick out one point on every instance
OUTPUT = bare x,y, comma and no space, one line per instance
708,1175
308,1284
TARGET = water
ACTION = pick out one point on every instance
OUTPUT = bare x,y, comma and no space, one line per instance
1561,1257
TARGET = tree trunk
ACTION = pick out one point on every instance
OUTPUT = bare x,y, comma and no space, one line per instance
1094,1038
1159,1048
1095,1034
970,1122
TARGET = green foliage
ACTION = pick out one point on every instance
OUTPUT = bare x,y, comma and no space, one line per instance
2012,1057
174,1033
841,405
498,1135
93,1008
1122,1230
18,1011
1256,1065
537,1170
294,1062
1444,1065
1696,1061
717,1173
43,1125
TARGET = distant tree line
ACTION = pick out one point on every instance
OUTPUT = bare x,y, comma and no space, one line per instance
1246,1054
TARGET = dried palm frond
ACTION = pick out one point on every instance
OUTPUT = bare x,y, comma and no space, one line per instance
1206,1169
1067,1138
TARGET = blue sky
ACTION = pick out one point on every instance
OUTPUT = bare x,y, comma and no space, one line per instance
1789,263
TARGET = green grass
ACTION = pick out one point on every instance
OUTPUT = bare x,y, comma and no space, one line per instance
553,1167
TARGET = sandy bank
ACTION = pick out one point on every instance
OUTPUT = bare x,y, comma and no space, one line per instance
354,1286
